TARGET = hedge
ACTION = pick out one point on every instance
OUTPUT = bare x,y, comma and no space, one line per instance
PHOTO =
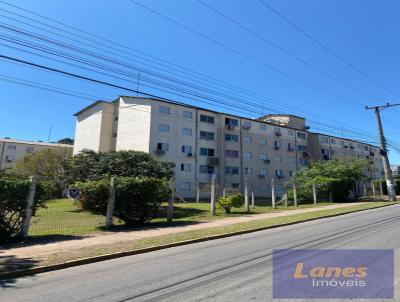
137,199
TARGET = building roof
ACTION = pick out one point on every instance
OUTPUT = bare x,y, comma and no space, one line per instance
282,114
18,141
90,106
344,138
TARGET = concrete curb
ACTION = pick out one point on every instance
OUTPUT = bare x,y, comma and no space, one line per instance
72,263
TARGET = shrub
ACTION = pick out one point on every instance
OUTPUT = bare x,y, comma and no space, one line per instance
137,199
14,191
230,201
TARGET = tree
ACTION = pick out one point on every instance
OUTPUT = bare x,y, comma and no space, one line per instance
66,140
47,164
90,165
338,177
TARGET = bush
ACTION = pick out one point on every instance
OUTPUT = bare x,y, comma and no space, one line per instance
137,199
14,191
230,201
384,187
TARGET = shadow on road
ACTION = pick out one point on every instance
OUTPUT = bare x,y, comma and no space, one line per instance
9,263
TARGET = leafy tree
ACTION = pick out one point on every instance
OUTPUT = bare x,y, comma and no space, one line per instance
338,177
67,141
47,164
230,201
90,165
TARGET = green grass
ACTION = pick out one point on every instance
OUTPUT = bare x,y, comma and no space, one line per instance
188,235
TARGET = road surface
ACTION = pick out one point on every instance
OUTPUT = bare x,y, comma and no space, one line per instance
232,269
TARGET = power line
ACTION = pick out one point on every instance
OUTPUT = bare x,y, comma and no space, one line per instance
331,51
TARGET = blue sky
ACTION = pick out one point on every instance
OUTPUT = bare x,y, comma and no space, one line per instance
364,32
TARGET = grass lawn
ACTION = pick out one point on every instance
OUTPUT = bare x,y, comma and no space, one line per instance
62,217
97,250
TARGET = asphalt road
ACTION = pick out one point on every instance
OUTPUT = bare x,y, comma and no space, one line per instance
232,269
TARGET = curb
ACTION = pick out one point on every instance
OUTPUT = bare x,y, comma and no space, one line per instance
82,261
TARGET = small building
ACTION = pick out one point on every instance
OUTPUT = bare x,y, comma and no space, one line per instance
12,149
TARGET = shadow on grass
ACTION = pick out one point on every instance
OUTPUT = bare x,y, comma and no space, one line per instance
9,263
43,239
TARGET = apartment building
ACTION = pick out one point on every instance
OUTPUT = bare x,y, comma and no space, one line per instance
202,143
11,150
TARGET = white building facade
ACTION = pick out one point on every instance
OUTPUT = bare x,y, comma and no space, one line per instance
200,142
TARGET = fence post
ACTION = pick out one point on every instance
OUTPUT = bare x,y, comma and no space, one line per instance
170,208
373,188
286,199
110,203
295,194
198,193
253,205
314,188
330,195
212,210
246,194
365,189
273,193
224,192
381,188
28,210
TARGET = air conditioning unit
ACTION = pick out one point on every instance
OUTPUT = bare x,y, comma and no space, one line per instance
326,157
190,154
345,147
291,149
276,147
278,134
305,154
351,147
267,161
245,127
279,176
230,127
160,152
372,154
261,176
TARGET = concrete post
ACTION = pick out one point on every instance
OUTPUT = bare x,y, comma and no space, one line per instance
110,203
246,194
170,209
198,193
314,188
212,210
364,189
295,194
330,196
381,188
273,193
223,192
28,210
286,199
253,205
373,188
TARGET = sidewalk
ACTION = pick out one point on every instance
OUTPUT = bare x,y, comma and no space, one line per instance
41,250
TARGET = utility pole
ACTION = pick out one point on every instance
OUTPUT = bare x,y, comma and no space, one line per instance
386,166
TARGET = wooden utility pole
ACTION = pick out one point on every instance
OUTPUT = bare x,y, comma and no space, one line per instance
314,189
28,209
294,194
384,153
110,203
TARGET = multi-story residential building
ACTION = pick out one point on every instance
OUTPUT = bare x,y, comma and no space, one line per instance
326,147
201,142
11,150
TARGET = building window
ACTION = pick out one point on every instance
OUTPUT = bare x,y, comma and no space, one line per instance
162,146
235,186
365,148
290,173
207,119
209,136
277,145
186,149
277,130
333,141
263,156
232,170
263,141
324,139
231,122
290,147
11,147
302,148
246,125
163,128
301,135
187,131
303,161
247,139
277,158
187,114
263,127
290,132
232,138
207,152
247,155
186,167
185,185
279,173
248,171
204,169
29,149
164,110
263,172
291,160
115,134
232,153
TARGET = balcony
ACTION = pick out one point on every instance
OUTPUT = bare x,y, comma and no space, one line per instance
230,127
212,161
